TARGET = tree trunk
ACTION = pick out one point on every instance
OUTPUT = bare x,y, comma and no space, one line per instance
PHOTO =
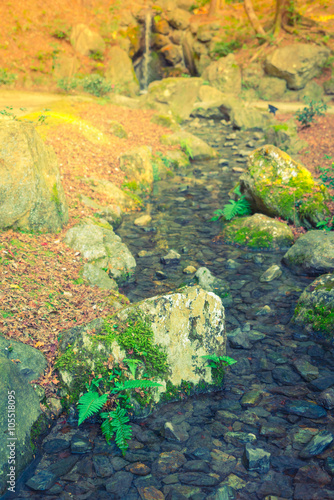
214,7
281,11
253,19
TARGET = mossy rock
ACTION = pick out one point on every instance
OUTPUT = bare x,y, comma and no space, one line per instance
165,121
258,232
278,186
315,308
117,129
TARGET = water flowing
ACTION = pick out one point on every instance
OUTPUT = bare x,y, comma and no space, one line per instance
147,53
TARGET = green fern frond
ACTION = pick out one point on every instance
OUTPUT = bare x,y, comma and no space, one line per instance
116,423
239,207
211,357
133,384
89,404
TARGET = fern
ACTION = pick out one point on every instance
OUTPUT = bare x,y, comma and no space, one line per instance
134,384
116,423
239,207
89,404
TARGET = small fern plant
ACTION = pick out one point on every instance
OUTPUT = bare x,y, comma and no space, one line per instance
115,422
234,208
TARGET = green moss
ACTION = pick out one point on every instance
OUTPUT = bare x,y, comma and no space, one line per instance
37,430
280,126
56,200
320,316
245,236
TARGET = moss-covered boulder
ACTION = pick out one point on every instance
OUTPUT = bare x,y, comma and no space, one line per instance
312,254
117,129
97,242
278,186
258,232
120,72
315,308
166,334
224,75
177,95
20,411
112,193
196,147
31,194
137,165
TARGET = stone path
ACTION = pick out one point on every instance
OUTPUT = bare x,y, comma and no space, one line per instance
268,434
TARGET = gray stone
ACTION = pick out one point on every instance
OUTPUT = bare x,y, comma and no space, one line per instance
239,341
171,258
102,466
306,409
297,63
213,284
32,362
312,254
317,445
97,277
176,432
119,484
284,375
198,479
306,370
200,150
98,242
86,41
239,438
42,481
31,193
224,75
326,398
271,273
80,444
120,72
15,388
256,459
271,88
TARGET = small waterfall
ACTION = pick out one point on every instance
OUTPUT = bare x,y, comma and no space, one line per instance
147,53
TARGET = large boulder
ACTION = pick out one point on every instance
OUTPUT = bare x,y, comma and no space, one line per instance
20,404
120,72
312,254
278,186
258,232
199,149
111,193
97,242
32,362
177,95
243,116
137,165
173,330
179,19
271,88
224,75
31,194
316,305
86,41
297,64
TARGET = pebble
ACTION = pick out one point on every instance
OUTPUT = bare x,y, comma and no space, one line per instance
317,444
143,220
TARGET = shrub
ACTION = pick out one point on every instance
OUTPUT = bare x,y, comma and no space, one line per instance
6,78
96,85
67,84
305,116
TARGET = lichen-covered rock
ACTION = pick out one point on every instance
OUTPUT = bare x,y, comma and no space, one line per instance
199,149
120,71
177,95
97,242
111,193
86,41
274,183
174,330
137,165
31,193
16,395
224,75
297,64
315,308
258,232
312,254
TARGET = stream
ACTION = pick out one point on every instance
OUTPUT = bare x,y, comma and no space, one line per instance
265,402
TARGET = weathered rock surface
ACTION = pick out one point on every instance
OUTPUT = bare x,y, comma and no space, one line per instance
258,231
242,116
17,398
97,242
297,64
224,75
200,150
31,193
86,41
112,193
177,95
213,284
315,305
120,72
32,362
274,181
312,254
137,165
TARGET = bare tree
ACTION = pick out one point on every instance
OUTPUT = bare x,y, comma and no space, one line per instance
253,19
